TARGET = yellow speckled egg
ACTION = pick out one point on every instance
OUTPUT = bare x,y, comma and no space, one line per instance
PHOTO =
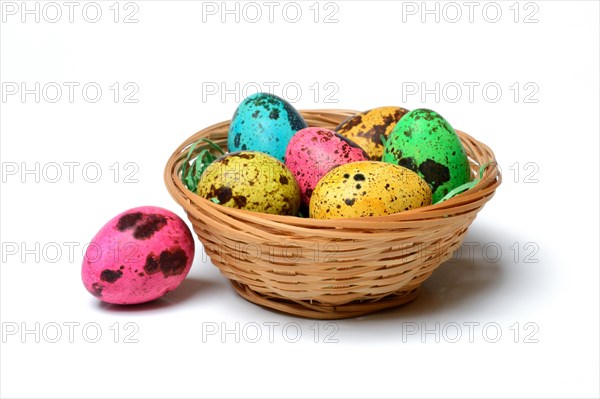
368,188
366,128
253,181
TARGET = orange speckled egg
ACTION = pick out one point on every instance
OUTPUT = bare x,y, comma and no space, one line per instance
368,188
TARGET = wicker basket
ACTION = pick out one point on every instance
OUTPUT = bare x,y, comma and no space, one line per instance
331,269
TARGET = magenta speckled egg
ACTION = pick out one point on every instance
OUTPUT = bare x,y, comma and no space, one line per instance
138,256
314,151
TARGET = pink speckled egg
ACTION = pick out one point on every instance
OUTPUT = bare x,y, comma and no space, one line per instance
314,151
138,256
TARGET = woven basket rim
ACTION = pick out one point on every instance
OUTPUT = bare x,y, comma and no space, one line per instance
484,189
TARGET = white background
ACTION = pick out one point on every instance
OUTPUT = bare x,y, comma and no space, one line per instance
540,231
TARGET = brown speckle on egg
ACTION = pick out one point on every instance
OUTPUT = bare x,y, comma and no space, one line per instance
172,262
408,163
97,289
149,225
240,201
110,276
434,173
151,265
129,220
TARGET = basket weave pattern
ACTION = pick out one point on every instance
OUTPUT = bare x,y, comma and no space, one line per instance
331,269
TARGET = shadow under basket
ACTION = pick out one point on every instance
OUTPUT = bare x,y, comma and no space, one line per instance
331,269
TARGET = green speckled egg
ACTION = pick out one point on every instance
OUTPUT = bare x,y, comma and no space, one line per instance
424,142
368,188
253,181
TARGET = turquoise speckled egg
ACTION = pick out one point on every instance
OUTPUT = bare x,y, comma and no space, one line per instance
424,142
264,122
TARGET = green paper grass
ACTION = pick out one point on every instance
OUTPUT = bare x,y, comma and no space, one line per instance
190,174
